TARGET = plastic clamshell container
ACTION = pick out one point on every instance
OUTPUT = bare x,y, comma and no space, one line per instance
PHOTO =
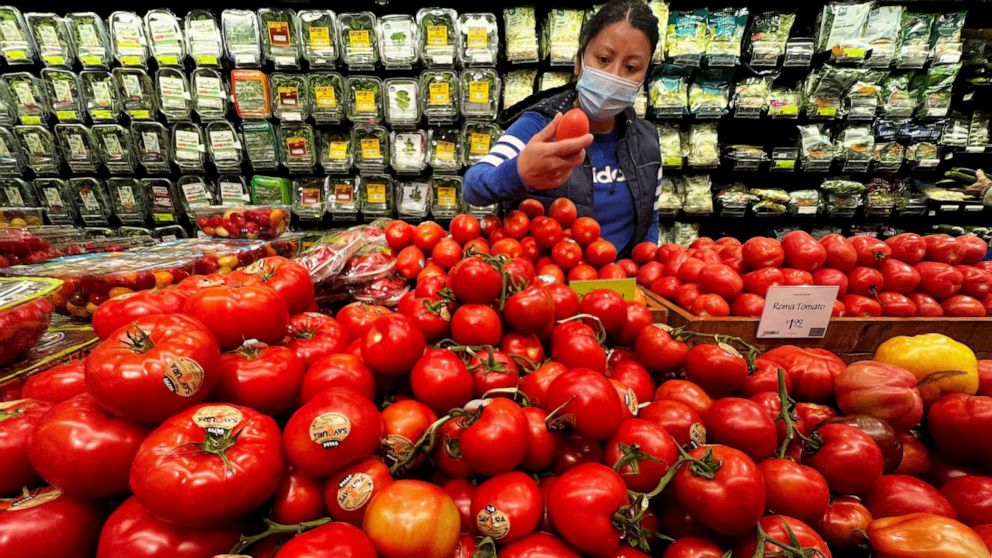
24,314
19,217
264,222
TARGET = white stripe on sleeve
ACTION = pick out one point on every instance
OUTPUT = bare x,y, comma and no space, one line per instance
508,152
512,140
491,159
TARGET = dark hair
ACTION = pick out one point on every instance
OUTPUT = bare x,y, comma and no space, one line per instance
635,12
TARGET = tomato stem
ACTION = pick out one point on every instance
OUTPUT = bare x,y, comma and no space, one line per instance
485,549
632,455
139,341
425,442
751,352
787,414
553,422
792,549
246,542
513,392
600,329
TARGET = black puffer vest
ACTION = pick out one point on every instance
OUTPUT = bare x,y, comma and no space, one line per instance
638,155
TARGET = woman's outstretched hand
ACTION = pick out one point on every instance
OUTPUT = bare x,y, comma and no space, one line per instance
544,163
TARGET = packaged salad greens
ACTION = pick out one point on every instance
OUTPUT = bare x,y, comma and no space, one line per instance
841,29
154,146
342,198
856,145
280,30
203,39
242,39
479,39
356,31
164,200
326,97
561,30
15,192
769,35
308,198
129,201
63,92
376,193
897,99
446,193
165,37
445,149
863,98
924,154
336,153
16,46
11,157
668,90
709,94
518,85
520,26
398,40
438,35
409,151
209,94
195,191
298,147
784,102
826,88
888,155
318,37
89,34
90,197
439,95
933,88
8,108
138,97
224,145
38,145
290,96
175,100
726,31
913,45
250,89
946,30
696,191
271,190
364,99
52,37
29,97
413,199
480,91
670,142
127,39
687,35
261,144
114,147
660,10
881,33
233,190
751,97
189,146
76,144
53,194
371,147
551,80
402,102
478,137
103,103
703,147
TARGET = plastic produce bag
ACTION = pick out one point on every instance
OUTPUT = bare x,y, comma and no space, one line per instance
520,25
704,148
370,262
688,34
563,29
518,85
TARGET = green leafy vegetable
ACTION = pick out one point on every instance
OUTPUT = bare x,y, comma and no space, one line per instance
326,96
90,36
358,41
317,33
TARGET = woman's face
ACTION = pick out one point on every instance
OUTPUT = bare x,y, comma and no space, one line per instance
619,49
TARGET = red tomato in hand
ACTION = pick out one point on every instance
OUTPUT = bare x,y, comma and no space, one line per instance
335,428
17,421
45,523
573,124
507,507
236,314
732,500
398,529
132,531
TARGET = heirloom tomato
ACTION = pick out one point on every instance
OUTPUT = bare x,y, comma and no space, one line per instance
412,519
923,535
313,336
844,523
881,390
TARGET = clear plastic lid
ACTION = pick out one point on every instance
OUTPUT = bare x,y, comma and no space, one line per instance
290,96
76,144
261,144
15,192
298,146
478,39
90,197
402,101
29,97
11,155
210,97
63,90
446,149
196,191
446,196
51,35
38,145
242,39
342,197
53,195
413,199
165,37
16,45
103,101
233,189
439,95
203,38
224,145
138,95
409,151
327,97
398,41
129,200
174,97
480,92
250,89
376,193
127,34
318,36
364,99
280,31
371,147
356,33
90,36
438,35
308,198
336,151
153,144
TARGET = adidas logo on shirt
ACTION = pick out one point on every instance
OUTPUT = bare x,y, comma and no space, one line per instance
607,175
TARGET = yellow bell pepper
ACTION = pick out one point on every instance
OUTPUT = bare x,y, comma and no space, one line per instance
940,364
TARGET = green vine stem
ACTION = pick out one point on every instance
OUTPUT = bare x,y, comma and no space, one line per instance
246,542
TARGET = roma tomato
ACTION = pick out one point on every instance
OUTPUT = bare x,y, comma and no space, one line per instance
971,498
742,424
973,248
154,368
641,473
17,420
313,336
758,281
332,539
926,305
586,402
944,249
398,529
894,495
298,498
410,262
910,248
348,492
794,490
720,279
675,417
760,252
849,459
899,276
963,306
286,277
896,304
666,287
336,427
122,310
132,531
582,504
841,255
501,423
57,384
865,281
748,305
717,368
573,124
939,280
266,379
871,251
392,345
236,314
828,276
507,507
44,523
723,489
802,251
844,523
922,535
977,282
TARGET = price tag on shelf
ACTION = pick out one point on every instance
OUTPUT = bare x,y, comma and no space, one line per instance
624,287
797,312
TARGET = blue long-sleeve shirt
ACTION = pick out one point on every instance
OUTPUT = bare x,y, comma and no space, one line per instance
495,179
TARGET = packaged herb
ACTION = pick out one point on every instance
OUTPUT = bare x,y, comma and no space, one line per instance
934,88
784,102
280,36
668,90
687,33
480,89
250,89
409,151
520,25
103,102
402,102
856,143
769,34
518,85
726,31
16,45
841,28
127,35
356,31
709,94
76,144
439,94
270,190
660,10
30,100
398,41
164,201
342,198
189,146
154,146
54,196
224,145
751,96
318,37
114,147
290,98
38,145
479,44
195,192
52,37
881,34
298,147
551,80
897,99
371,147
129,201
446,193
326,93
413,199
945,39
90,197
15,192
445,149
209,94
233,190
438,35
913,45
261,144
89,34
336,154
308,198
165,37
203,39
62,89
175,100
138,97
364,99
12,158
242,39
563,28
704,149
8,108
478,138
376,193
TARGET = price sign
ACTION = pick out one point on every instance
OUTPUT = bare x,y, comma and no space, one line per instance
797,312
624,287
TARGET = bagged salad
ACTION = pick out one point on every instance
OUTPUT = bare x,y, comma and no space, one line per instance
670,141
562,30
518,85
242,37
660,10
769,35
841,29
398,41
725,30
668,90
203,38
130,203
709,94
224,146
881,34
318,37
703,145
688,34
520,25
358,41
934,89
90,37
815,144
913,44
261,144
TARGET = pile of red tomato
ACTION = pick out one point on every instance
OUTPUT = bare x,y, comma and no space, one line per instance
904,276
494,412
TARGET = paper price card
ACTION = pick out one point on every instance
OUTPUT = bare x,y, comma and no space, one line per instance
797,312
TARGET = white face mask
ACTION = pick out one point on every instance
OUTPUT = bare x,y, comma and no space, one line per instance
603,95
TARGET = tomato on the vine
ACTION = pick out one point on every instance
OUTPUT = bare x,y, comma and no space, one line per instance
507,507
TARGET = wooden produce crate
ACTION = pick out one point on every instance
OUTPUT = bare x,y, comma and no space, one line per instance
858,337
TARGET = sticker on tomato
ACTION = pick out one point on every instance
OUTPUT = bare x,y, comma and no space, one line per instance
493,522
630,400
396,447
697,433
330,429
31,499
184,376
354,491
279,33
218,419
